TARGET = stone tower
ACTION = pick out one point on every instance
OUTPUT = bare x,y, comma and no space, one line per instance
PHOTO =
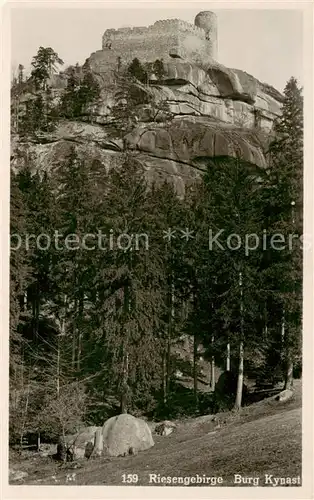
207,20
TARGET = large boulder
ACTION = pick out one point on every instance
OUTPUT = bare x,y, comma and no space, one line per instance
165,428
227,385
284,396
124,434
81,444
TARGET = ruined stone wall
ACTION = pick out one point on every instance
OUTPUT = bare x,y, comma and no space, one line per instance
158,30
163,40
144,43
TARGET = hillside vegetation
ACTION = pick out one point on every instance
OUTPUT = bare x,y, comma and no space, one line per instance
264,439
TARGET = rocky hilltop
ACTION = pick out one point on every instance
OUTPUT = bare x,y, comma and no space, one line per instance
215,111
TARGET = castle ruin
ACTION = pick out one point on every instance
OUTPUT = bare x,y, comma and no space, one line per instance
194,83
166,39
214,110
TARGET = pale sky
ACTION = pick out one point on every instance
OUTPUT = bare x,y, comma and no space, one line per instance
265,43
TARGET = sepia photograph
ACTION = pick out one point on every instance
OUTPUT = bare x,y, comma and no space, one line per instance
156,246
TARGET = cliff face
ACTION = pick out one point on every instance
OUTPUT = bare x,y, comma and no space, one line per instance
216,111
229,96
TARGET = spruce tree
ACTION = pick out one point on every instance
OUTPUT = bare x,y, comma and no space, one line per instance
44,63
233,194
129,279
136,70
20,264
168,213
74,201
78,95
285,216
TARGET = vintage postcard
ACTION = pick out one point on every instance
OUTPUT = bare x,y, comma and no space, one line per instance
157,190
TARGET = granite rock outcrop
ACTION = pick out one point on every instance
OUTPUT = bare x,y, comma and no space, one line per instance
216,111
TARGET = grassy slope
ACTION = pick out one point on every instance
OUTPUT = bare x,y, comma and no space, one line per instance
264,439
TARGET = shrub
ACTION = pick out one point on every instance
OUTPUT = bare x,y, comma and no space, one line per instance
64,413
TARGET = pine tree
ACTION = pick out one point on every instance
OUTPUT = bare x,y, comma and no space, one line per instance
232,275
78,95
137,71
20,267
74,199
40,115
285,203
131,96
158,69
128,96
89,89
168,213
44,63
20,279
128,287
202,276
70,106
20,77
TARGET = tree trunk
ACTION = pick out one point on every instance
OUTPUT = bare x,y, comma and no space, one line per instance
98,443
61,447
228,358
124,392
74,340
265,323
164,376
212,362
170,333
24,418
58,367
22,370
35,310
289,371
212,367
25,300
195,370
126,381
283,332
79,351
286,354
168,360
238,400
74,349
81,314
63,316
125,354
212,373
123,403
15,106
